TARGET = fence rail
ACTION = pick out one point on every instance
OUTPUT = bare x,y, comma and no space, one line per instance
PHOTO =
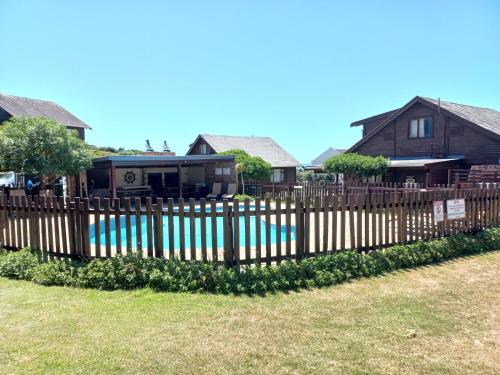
248,232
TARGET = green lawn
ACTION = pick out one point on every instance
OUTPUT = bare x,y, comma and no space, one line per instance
438,319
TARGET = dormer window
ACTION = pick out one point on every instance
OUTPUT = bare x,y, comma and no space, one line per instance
421,128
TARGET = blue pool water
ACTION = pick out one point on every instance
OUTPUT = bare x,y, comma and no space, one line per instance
187,234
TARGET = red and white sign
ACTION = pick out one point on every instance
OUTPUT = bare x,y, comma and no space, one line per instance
455,208
438,211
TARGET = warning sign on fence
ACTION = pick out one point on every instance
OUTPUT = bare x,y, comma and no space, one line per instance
455,208
438,211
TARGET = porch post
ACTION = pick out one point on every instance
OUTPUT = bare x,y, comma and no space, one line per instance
180,179
112,182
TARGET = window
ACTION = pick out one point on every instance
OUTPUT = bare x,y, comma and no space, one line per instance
421,128
222,171
278,175
203,149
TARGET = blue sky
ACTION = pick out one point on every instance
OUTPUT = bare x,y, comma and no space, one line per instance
298,71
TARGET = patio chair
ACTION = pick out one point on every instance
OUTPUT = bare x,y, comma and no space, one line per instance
231,191
216,191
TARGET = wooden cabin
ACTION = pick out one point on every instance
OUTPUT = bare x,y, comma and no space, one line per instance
18,106
431,136
284,165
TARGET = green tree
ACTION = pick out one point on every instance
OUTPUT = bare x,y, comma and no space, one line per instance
43,148
355,166
251,168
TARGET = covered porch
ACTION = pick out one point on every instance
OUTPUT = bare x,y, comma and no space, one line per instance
426,171
158,176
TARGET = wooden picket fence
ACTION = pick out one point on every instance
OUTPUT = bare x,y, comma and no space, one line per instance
248,232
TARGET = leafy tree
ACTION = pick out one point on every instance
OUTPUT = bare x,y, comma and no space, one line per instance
107,151
355,166
43,148
251,168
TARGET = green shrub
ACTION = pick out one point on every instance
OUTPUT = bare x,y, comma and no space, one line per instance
19,265
135,271
242,197
58,272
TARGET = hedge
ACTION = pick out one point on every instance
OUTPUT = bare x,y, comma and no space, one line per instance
133,271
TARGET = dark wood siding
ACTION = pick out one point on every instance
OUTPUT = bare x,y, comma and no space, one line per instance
475,146
290,174
419,147
4,116
196,150
368,126
381,143
451,137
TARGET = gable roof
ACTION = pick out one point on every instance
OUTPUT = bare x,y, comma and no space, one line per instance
380,117
326,155
264,147
18,106
485,119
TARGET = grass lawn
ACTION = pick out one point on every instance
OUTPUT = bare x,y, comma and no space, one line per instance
438,319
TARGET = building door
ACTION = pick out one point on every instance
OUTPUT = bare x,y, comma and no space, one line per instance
155,181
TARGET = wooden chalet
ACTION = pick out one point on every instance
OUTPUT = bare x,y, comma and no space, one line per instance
284,166
431,136
18,106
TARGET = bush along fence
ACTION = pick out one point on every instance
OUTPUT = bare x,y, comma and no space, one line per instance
133,271
248,232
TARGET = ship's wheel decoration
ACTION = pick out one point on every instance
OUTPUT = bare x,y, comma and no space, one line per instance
129,177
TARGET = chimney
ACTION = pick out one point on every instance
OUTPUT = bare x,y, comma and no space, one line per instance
148,146
151,152
165,147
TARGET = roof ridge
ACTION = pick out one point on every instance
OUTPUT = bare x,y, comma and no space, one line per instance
28,98
465,105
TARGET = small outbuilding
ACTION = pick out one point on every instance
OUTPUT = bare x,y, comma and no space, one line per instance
158,176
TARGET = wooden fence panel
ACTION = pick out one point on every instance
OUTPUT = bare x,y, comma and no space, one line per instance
182,235
149,226
288,222
258,243
128,225
138,225
361,220
203,228
268,231
236,230
192,228
278,230
118,225
171,229
213,223
158,229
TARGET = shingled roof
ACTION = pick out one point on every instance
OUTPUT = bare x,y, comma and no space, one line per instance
485,118
326,155
18,106
264,147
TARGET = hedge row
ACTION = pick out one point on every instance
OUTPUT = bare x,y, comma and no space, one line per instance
131,272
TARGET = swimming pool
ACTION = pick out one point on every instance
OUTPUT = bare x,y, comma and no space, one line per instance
187,234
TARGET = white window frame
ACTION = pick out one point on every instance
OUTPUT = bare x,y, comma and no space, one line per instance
279,173
204,149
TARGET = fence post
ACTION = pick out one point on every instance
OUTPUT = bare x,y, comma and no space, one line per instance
228,235
428,181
